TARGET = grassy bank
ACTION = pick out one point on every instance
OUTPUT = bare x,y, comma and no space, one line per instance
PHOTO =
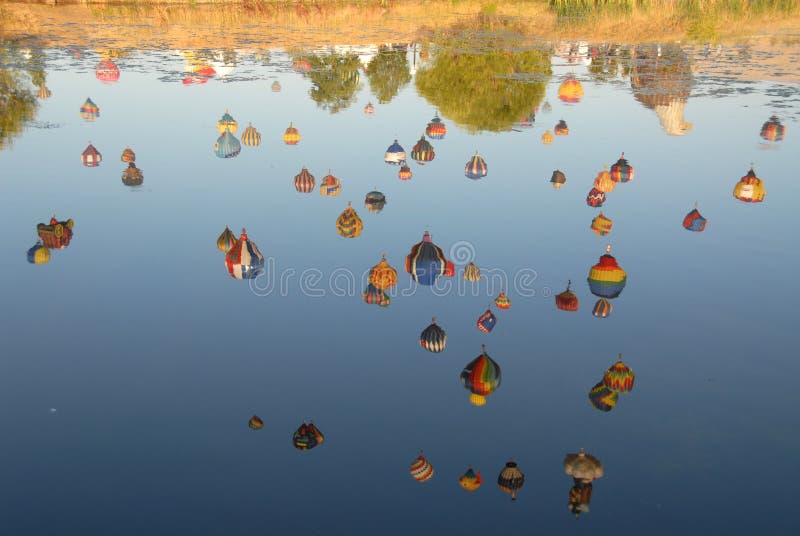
217,23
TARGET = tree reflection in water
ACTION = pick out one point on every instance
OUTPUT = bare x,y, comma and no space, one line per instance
335,78
491,84
21,71
388,72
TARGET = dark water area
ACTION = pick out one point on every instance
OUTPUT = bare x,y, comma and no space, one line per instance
132,359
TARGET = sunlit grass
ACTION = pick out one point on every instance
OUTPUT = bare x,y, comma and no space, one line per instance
191,23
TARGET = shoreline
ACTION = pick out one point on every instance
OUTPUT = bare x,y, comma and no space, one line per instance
220,23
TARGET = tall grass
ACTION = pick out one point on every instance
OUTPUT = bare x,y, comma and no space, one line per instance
197,23
685,7
699,20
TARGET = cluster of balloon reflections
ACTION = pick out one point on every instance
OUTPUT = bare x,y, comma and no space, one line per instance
55,235
425,263
749,189
617,379
581,466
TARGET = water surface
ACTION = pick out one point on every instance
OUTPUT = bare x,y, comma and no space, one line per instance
133,360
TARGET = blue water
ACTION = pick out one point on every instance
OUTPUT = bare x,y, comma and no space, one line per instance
132,361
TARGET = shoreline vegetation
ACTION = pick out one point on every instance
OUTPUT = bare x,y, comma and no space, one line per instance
269,23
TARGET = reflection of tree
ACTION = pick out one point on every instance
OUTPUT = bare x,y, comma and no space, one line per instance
609,61
488,89
335,78
17,101
388,72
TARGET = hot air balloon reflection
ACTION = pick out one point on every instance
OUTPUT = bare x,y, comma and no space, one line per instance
750,188
606,278
603,398
255,423
433,338
601,225
604,182
369,109
502,301
487,321
91,157
621,171
567,300
404,173
426,262
558,179
251,137
382,275
422,151
595,198
56,234
511,479
38,254
132,176
773,130
583,467
291,136
107,71
128,155
472,273
330,186
375,201
470,480
436,130
481,377
375,296
276,86
227,146
348,224
244,260
570,90
561,129
301,66
307,437
476,167
90,111
548,138
421,470
694,221
619,377
395,154
227,123
226,240
304,181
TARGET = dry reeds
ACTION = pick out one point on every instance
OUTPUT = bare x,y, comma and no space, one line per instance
229,23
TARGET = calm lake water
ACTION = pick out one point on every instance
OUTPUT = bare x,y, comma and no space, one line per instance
132,360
